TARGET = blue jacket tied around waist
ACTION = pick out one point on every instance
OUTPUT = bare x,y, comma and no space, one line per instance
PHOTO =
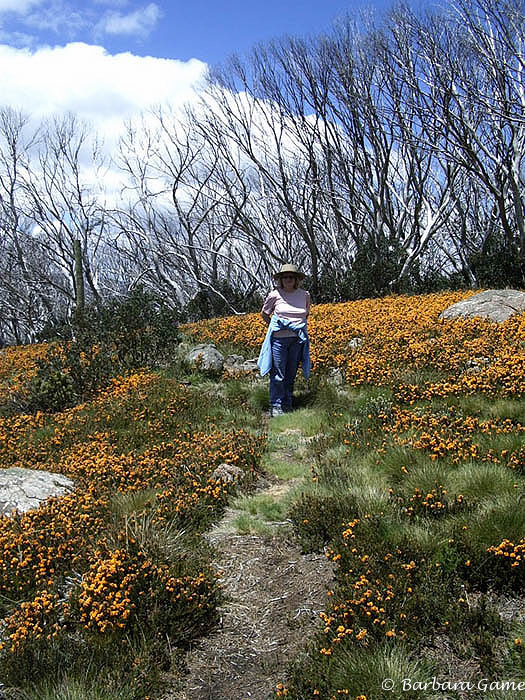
278,324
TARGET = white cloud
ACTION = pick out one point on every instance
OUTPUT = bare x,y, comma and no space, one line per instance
140,22
70,21
20,6
101,88
61,18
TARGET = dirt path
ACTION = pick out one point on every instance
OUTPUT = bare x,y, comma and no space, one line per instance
274,595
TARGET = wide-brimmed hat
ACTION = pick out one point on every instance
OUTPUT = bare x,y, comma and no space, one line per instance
290,270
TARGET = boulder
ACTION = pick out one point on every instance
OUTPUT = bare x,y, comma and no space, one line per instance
493,304
25,489
206,357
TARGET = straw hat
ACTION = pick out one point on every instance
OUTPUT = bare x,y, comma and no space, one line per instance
290,270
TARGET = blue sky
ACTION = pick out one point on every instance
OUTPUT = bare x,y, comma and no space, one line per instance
110,60
210,31
204,29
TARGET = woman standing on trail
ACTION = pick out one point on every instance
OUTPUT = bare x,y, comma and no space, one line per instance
286,344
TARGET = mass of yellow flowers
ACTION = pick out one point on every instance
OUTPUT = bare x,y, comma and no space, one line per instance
70,573
116,587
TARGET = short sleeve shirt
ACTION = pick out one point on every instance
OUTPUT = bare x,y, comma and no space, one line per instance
293,306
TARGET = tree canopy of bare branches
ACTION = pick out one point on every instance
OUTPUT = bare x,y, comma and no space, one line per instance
380,157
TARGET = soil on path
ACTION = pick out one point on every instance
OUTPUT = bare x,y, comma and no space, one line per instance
274,595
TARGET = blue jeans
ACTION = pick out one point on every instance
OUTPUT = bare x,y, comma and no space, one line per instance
285,361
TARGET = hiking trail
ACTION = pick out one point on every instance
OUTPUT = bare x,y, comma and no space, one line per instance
273,597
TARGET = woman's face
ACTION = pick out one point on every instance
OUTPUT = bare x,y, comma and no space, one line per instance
288,282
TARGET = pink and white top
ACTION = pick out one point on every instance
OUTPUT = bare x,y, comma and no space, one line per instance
293,306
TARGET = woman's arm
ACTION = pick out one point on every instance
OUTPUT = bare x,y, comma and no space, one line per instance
268,307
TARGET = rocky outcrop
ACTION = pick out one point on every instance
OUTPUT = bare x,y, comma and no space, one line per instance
207,358
24,489
493,304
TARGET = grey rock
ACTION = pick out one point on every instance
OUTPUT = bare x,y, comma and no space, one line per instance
25,489
206,357
493,304
240,365
230,360
355,343
336,377
477,363
227,473
250,366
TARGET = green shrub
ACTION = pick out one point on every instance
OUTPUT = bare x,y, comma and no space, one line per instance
319,518
138,329
102,342
52,388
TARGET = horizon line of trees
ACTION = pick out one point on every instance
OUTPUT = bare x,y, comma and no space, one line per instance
381,158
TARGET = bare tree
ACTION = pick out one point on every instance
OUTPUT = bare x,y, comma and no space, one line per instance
23,298
65,201
472,74
178,232
51,195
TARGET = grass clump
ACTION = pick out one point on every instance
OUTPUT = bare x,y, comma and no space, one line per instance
352,673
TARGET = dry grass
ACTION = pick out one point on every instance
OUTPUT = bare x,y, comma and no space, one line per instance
274,596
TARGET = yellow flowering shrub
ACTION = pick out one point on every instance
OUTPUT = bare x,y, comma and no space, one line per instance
74,578
511,558
123,592
380,591
434,503
37,547
35,619
379,341
17,365
447,434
